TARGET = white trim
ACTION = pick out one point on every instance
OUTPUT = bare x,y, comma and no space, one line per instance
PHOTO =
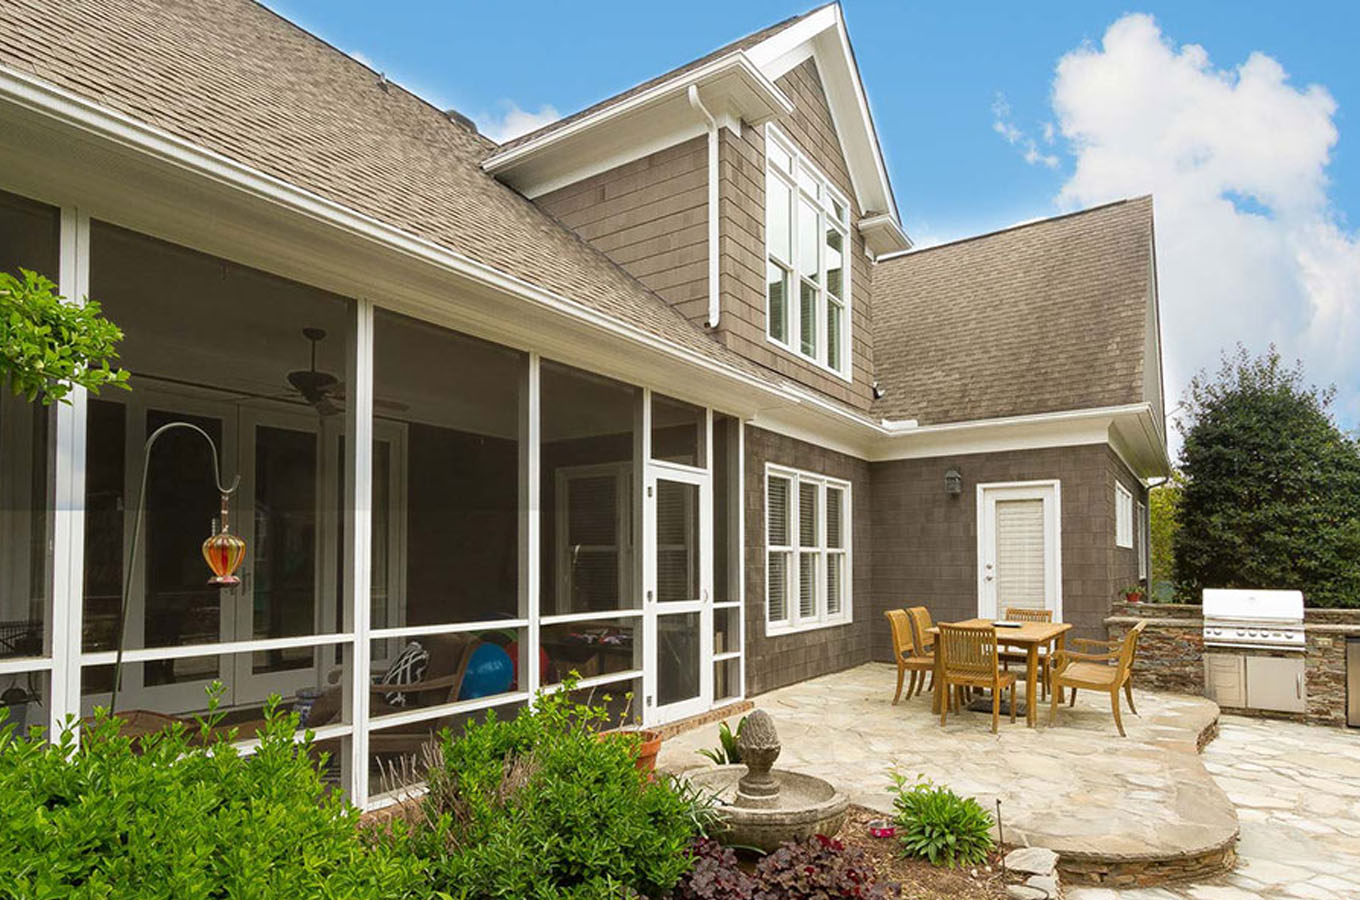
596,681
530,521
829,197
425,713
1142,533
599,615
19,665
638,125
67,587
357,559
1123,516
410,631
221,648
1050,492
794,620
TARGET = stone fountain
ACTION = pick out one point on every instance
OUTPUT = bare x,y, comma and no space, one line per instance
762,806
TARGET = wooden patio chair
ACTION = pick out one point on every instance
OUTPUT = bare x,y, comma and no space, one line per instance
908,652
1008,656
968,659
925,643
1108,671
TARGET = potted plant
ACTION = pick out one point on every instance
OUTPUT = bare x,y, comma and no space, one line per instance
649,744
1134,593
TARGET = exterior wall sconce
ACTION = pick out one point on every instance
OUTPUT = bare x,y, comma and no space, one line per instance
953,482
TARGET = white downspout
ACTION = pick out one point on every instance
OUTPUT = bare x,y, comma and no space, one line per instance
714,297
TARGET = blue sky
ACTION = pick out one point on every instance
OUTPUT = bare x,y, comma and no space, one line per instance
1239,118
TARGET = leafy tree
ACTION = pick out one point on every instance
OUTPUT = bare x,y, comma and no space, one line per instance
1164,520
49,346
1272,486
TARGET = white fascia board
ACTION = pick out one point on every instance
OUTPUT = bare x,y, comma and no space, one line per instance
731,86
412,266
823,36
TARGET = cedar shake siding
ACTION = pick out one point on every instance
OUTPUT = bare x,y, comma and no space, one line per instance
651,217
925,549
773,662
741,172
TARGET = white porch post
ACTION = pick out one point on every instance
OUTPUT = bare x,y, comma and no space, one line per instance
358,515
530,522
68,521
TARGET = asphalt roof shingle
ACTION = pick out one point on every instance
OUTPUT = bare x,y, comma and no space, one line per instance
1042,317
235,78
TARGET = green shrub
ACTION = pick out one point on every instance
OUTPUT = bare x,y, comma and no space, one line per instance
48,346
538,806
939,825
182,821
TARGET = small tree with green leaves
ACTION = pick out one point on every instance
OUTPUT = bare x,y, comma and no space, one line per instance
1272,486
1164,520
49,346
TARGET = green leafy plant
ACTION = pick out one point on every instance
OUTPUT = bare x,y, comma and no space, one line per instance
1272,486
937,824
182,814
727,752
49,346
539,807
701,806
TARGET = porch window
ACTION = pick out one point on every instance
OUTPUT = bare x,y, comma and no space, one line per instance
807,550
1123,516
807,231
1144,533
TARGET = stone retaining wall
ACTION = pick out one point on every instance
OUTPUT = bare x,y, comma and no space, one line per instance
1171,654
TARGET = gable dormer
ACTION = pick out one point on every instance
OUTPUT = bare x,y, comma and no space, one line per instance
670,180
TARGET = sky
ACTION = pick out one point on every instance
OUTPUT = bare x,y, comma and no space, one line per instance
1239,118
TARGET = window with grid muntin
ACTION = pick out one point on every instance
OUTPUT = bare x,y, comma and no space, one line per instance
807,544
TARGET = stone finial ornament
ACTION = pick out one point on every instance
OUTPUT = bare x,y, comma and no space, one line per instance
759,745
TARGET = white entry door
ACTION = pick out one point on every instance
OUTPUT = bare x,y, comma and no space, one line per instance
1019,547
678,584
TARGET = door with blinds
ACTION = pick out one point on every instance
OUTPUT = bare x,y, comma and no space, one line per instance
1019,553
678,579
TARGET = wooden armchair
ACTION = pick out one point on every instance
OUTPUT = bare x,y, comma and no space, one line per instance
1008,656
968,659
1108,671
908,650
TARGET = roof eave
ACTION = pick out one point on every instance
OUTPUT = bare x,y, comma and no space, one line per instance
732,87
884,234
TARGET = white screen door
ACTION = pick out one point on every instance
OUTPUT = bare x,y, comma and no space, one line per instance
679,582
1019,557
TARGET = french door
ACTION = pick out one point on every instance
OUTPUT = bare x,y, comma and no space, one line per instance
1019,552
678,587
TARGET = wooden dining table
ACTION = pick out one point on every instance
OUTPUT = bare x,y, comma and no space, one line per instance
1029,636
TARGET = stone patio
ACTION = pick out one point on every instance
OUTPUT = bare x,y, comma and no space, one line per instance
1297,792
1122,810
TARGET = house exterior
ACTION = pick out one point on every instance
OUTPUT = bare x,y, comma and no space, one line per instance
659,394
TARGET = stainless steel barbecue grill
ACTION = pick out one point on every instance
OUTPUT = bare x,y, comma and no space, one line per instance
1266,620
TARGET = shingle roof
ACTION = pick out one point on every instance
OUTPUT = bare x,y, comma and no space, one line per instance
744,43
233,77
1042,317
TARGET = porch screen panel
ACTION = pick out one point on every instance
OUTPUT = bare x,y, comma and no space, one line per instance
258,363
1021,560
29,239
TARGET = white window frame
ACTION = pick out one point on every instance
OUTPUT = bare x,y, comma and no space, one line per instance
825,200
1123,516
793,619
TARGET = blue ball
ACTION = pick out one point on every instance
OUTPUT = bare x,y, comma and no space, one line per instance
490,671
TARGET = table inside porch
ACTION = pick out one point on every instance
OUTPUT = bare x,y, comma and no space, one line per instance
1029,636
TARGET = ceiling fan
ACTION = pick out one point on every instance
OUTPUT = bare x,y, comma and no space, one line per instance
322,390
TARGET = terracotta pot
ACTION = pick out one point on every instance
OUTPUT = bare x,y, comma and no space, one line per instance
647,750
1133,597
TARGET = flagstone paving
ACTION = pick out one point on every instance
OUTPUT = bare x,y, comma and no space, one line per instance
1076,788
1297,792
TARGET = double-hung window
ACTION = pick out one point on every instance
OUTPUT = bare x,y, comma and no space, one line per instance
807,236
1123,516
807,538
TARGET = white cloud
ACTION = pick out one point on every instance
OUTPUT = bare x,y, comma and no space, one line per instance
1003,125
512,121
1249,246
